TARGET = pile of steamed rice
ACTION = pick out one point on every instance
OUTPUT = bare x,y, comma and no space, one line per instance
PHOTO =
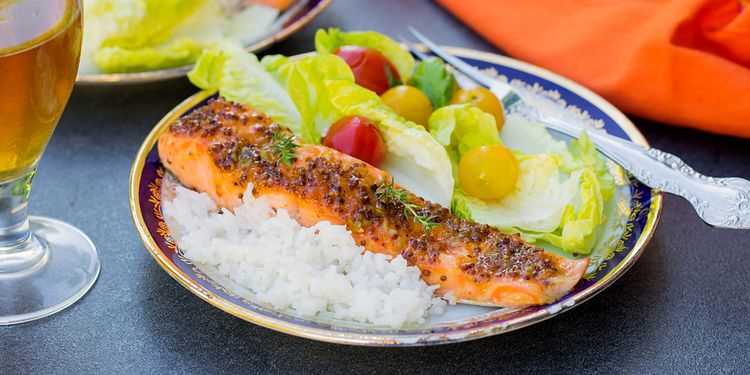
309,271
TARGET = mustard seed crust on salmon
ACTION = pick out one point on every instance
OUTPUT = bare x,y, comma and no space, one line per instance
223,146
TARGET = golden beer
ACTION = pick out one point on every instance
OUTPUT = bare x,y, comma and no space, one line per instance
38,65
45,264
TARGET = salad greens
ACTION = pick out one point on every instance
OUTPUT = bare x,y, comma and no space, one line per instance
583,155
154,19
310,94
561,190
461,127
323,90
240,77
413,157
435,81
576,233
329,41
307,81
120,49
141,35
119,59
535,206
560,193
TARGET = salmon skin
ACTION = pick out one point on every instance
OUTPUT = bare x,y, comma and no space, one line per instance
221,147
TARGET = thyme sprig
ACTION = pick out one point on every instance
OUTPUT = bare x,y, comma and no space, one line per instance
389,193
284,147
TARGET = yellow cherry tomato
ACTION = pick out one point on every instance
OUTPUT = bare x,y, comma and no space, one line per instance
488,172
409,102
483,99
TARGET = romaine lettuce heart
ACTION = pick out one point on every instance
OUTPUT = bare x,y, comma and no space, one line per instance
306,82
240,77
461,127
141,35
413,158
402,60
577,229
537,204
123,60
560,193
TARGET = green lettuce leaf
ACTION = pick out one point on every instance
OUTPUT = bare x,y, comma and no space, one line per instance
240,77
306,82
461,127
537,204
273,64
460,204
560,194
153,20
435,81
413,157
130,35
322,86
117,59
576,233
529,138
141,35
312,93
329,41
583,155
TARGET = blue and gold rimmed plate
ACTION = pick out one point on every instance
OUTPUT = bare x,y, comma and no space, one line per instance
632,217
289,22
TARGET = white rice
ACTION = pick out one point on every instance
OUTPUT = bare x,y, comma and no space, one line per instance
310,272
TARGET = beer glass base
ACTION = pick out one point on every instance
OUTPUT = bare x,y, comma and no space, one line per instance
61,277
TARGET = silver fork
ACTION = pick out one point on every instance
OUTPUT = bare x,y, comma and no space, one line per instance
720,202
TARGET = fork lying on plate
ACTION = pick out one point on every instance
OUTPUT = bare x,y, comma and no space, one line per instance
720,202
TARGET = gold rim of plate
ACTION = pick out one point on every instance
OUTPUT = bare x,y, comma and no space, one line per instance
163,74
385,339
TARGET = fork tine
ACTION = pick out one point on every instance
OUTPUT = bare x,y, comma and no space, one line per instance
421,55
461,66
463,80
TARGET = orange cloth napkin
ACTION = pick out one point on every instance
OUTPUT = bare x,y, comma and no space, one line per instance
683,62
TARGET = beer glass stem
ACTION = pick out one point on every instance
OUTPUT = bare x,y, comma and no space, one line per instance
19,249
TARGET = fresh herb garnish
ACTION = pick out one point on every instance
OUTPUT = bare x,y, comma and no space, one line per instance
284,147
389,193
435,81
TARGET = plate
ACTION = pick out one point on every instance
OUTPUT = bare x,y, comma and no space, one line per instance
633,215
289,22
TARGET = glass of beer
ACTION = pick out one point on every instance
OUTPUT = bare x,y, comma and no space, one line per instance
45,264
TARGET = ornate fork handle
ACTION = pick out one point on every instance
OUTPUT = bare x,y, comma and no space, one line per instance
720,202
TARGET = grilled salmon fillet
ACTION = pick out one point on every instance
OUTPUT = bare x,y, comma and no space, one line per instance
221,147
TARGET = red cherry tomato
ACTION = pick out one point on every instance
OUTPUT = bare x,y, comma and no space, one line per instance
369,67
359,137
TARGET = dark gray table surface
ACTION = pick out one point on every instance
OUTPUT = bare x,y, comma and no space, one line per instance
683,307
